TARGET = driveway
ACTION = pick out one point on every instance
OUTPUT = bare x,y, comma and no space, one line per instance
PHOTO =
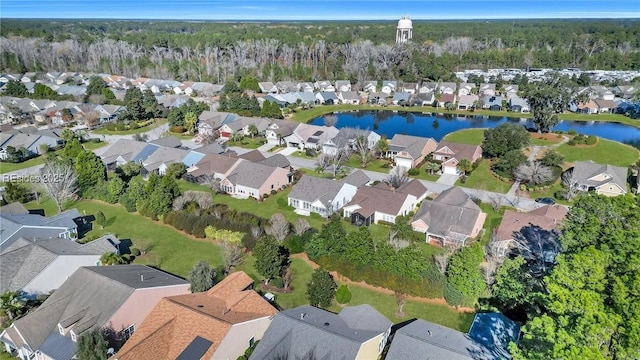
447,179
288,151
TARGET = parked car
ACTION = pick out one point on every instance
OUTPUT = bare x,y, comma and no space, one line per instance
546,200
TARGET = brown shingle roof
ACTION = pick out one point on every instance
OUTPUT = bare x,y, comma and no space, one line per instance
460,151
546,217
176,321
214,163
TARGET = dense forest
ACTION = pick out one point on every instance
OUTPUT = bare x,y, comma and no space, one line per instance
215,51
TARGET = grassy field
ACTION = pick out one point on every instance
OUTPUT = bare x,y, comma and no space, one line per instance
306,115
491,222
378,165
6,167
466,136
248,143
92,146
604,152
482,179
104,131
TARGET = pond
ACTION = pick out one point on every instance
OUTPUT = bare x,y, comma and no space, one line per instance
389,123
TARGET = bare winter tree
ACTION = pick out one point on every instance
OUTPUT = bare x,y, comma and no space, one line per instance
570,186
202,198
322,162
338,162
60,182
364,151
397,177
233,255
539,247
256,232
535,173
279,227
206,137
330,120
287,277
400,301
211,182
301,226
492,261
495,200
442,261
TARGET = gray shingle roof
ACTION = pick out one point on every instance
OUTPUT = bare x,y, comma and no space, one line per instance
310,332
277,160
584,170
452,211
251,174
168,141
414,145
34,226
97,292
311,188
357,178
123,147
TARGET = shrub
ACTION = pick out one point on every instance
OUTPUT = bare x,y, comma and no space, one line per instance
343,295
134,125
95,140
414,171
452,295
273,192
591,140
177,129
277,282
572,132
134,251
282,203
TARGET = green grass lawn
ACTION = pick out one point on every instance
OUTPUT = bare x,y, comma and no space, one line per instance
604,152
6,167
248,143
482,179
491,222
378,165
424,175
302,155
466,136
92,145
104,131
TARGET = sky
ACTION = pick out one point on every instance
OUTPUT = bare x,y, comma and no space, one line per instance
318,9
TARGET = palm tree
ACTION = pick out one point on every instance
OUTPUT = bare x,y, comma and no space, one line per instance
12,304
432,166
464,165
112,259
253,130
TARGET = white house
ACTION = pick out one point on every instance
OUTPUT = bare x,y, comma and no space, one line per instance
320,195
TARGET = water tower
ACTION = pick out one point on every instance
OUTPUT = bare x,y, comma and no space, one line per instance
405,30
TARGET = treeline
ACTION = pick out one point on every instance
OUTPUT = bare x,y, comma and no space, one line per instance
309,51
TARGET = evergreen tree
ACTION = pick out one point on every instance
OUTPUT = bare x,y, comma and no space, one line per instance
321,289
271,258
92,345
202,277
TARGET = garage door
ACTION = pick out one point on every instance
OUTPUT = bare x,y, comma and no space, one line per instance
450,170
405,163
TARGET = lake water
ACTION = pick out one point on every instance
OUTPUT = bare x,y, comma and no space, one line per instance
389,123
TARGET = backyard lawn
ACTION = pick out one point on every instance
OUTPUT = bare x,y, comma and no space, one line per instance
248,143
603,152
466,136
377,165
6,167
104,131
92,145
482,179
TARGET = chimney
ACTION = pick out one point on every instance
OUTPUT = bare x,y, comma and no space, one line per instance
302,315
429,331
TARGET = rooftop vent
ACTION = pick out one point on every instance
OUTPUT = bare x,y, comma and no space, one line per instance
326,324
200,305
302,315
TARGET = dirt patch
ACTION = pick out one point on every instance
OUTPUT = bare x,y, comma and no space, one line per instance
547,136
379,289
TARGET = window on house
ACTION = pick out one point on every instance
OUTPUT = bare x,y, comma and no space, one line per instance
74,338
60,329
252,341
128,332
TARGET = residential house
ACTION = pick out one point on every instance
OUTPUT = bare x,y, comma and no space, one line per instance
34,226
109,112
255,180
357,178
602,92
327,97
98,297
320,195
410,88
121,152
451,153
625,91
467,102
447,99
447,88
487,90
213,165
193,157
253,156
377,98
169,141
349,97
278,130
343,85
488,339
305,87
372,204
35,267
28,77
206,89
389,86
306,136
466,89
32,142
408,151
211,121
509,91
220,323
590,107
428,87
518,104
268,87
493,103
605,179
347,137
324,85
547,218
241,125
450,219
184,88
401,98
286,86
424,99
357,332
370,86
160,159
278,160
605,106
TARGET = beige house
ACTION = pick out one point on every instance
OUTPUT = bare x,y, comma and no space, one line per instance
606,180
254,180
98,297
450,219
307,332
220,323
408,151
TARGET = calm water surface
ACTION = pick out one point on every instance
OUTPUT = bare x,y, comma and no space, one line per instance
389,123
